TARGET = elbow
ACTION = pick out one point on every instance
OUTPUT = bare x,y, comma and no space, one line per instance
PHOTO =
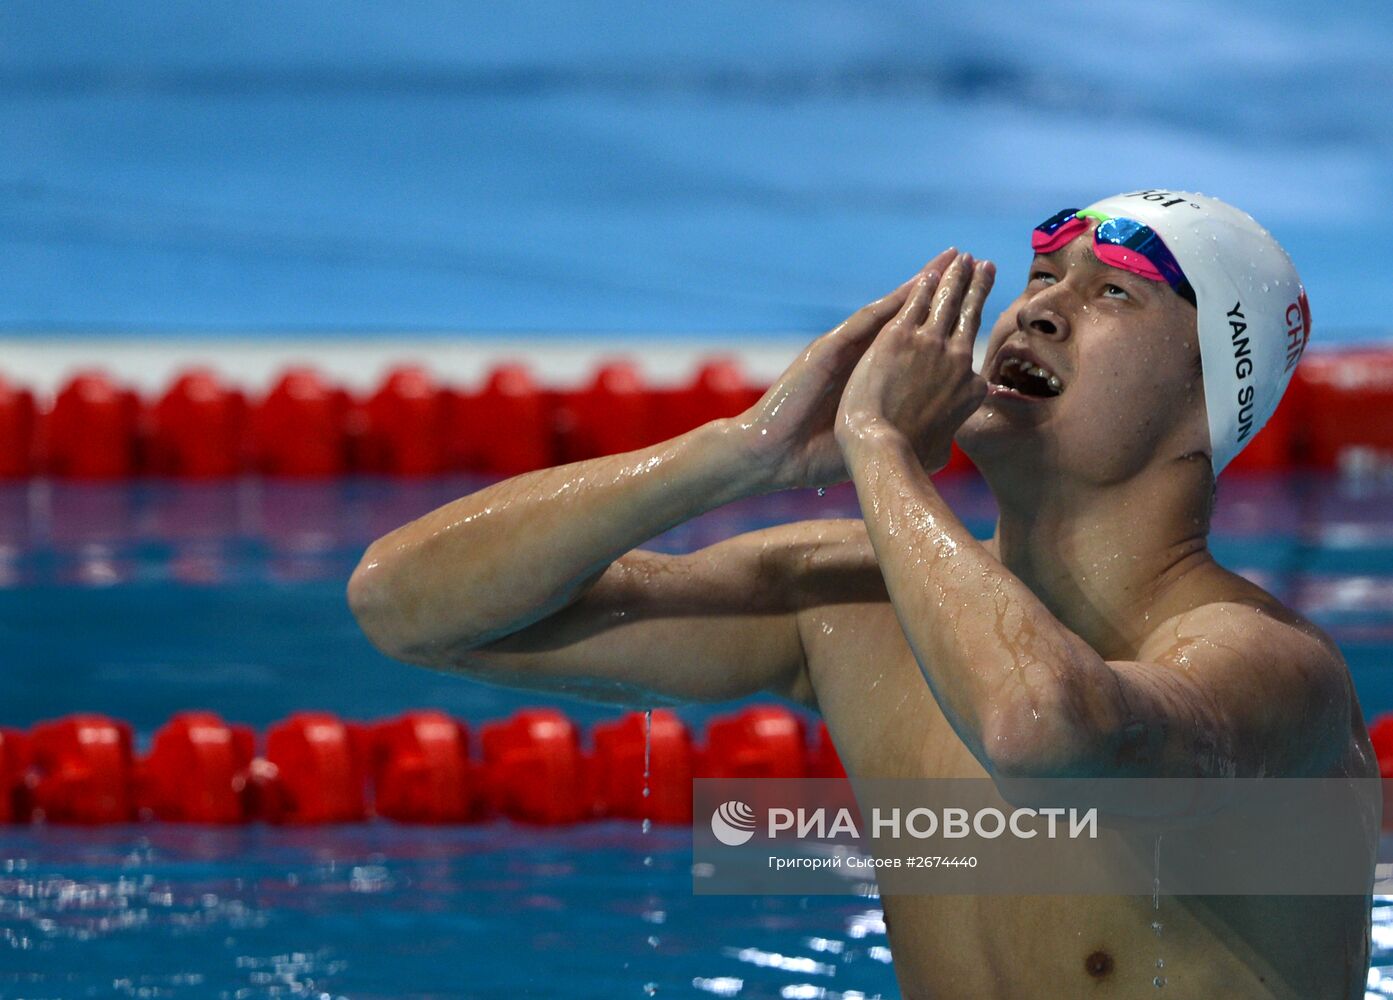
374,607
363,598
1034,741
1029,755
396,618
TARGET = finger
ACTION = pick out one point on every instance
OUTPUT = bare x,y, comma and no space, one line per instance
872,316
941,262
883,308
934,270
843,345
915,307
970,315
951,289
897,299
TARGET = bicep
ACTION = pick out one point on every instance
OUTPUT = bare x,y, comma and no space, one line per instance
716,624
1237,693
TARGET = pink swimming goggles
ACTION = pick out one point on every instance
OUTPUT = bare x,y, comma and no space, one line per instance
1119,242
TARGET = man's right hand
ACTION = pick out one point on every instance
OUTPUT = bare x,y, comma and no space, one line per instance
788,433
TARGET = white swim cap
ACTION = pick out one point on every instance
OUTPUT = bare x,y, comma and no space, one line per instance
1253,318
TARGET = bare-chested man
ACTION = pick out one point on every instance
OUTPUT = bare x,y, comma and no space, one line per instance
1092,634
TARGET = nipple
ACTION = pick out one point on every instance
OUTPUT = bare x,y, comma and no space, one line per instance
1098,964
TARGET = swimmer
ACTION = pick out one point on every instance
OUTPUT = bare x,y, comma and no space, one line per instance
1092,633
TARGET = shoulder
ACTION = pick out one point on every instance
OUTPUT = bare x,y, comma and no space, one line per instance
1248,624
1257,664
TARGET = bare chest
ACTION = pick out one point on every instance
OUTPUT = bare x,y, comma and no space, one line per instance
886,723
875,700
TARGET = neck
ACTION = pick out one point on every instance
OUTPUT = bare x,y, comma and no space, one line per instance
1103,558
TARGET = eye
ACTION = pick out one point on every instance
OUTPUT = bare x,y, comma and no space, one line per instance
1115,292
1042,276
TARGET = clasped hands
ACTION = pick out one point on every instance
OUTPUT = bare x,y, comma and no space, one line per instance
900,365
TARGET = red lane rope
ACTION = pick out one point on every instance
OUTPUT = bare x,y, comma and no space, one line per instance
420,767
1338,412
306,425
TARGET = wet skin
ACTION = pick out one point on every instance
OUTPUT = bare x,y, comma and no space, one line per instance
1092,634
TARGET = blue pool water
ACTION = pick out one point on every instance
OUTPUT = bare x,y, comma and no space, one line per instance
239,165
387,911
141,600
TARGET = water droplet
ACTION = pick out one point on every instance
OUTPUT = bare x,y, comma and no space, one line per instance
650,988
647,746
647,824
822,491
652,940
1158,982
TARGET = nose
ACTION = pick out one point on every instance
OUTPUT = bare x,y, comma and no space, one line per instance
1040,314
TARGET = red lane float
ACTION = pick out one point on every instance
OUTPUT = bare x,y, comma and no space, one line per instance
625,764
198,428
823,761
613,413
507,427
1348,408
316,771
761,742
18,421
406,425
92,431
81,770
301,427
1381,736
421,771
718,389
536,772
197,771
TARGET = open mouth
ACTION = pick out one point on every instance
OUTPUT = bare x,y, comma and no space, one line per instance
1025,377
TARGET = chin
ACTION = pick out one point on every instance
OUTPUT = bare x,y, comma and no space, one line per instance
990,425
987,442
992,439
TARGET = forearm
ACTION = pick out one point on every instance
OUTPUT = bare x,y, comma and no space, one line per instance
1002,667
508,555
